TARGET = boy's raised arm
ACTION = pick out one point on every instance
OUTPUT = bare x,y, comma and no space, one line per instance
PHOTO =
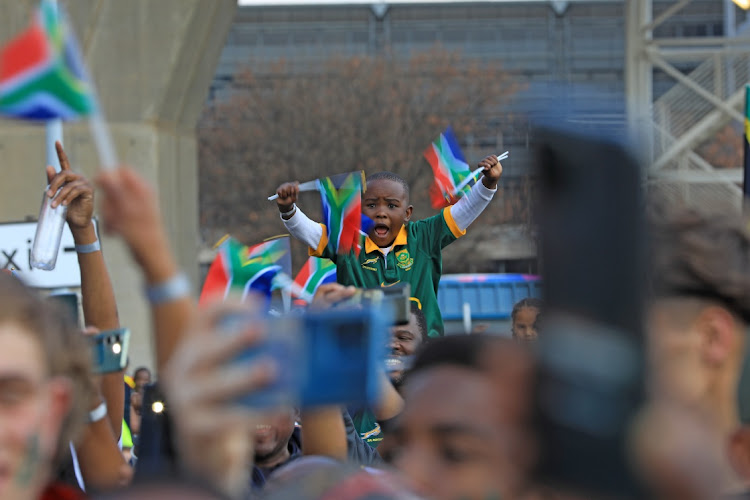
296,222
469,207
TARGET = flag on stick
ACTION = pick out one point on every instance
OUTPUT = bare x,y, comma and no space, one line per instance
450,170
314,273
242,268
41,73
341,197
42,77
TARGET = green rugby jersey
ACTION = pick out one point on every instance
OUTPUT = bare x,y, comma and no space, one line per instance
415,257
368,427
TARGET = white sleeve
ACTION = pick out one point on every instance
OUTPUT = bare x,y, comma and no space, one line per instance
468,208
303,228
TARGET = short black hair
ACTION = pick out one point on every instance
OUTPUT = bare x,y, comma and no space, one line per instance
455,350
527,302
141,369
390,176
421,320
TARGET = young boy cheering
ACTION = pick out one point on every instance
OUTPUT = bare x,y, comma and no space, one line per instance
396,250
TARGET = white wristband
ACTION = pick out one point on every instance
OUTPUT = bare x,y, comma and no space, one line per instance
289,213
98,413
175,288
89,248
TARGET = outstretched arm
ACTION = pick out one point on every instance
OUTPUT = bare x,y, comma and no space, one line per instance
130,209
97,294
469,207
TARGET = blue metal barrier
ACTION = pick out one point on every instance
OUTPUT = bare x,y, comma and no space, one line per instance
490,296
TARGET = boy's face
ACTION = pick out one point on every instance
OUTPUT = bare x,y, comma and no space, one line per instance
385,202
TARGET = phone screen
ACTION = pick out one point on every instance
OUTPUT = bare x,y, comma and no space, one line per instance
69,303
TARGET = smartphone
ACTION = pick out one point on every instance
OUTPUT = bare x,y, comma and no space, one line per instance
329,357
344,353
590,354
109,350
393,300
69,302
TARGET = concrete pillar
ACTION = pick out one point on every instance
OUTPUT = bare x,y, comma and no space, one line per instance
152,62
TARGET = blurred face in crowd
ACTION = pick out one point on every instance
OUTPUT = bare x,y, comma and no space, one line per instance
696,350
32,409
524,324
387,204
450,443
405,340
272,438
141,378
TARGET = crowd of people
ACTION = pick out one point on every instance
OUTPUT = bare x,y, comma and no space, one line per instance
454,417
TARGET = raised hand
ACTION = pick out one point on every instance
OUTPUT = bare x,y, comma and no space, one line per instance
202,384
130,209
330,294
492,171
287,195
76,192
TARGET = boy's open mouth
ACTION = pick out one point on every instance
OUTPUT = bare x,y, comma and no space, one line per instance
380,230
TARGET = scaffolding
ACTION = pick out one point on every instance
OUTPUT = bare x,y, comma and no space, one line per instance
702,101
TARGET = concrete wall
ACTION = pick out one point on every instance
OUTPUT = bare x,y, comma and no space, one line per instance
152,62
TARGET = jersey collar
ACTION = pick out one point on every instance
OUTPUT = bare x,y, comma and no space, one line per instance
370,245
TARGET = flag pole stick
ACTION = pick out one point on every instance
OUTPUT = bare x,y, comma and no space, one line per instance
98,125
305,186
54,133
54,130
290,286
103,141
475,174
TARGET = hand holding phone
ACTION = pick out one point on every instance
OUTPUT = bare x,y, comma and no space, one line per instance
202,387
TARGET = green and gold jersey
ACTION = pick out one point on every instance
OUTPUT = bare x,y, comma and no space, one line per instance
415,258
367,427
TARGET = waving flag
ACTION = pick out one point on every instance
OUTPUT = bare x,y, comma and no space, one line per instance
341,196
314,273
41,73
242,268
450,170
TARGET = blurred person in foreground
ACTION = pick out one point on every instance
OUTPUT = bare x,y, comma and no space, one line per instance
463,431
43,398
697,335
